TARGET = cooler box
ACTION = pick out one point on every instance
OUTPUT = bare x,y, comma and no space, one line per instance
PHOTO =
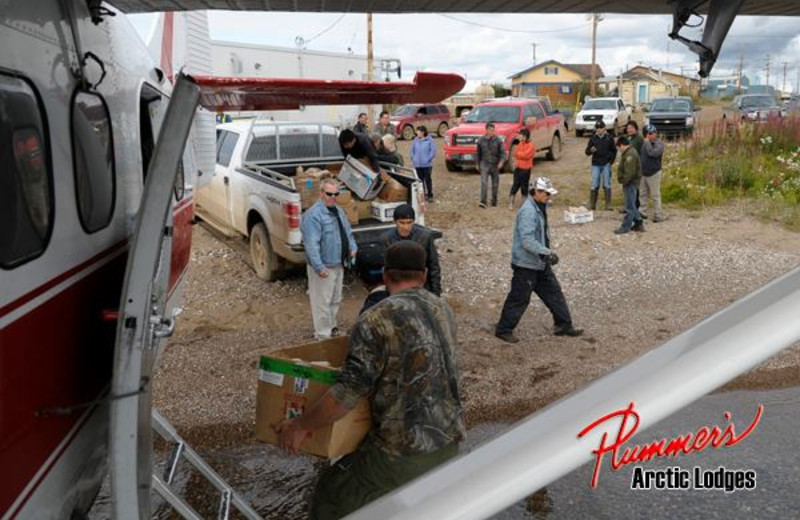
578,215
291,380
384,211
363,182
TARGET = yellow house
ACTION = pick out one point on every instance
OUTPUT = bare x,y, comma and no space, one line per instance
561,82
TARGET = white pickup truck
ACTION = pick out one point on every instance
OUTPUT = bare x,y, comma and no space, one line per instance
253,194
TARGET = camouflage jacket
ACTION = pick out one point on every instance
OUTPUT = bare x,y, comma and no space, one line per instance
406,368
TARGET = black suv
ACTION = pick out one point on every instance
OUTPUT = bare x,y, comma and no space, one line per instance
672,116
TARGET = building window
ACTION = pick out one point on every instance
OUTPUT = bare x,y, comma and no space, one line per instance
93,161
26,184
565,89
551,71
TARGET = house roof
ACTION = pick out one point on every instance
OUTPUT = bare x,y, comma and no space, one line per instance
659,73
584,70
647,75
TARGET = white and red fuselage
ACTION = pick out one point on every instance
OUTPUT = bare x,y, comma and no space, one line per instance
72,185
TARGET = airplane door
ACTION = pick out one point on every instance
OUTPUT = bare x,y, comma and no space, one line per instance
143,319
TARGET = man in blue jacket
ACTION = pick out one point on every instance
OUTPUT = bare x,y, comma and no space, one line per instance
531,261
330,246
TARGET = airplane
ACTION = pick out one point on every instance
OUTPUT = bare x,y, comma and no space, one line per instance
95,211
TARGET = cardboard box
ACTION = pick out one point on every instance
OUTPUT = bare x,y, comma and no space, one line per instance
287,387
364,208
384,211
351,210
578,215
393,191
363,182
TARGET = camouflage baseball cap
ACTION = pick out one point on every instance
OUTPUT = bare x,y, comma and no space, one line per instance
544,184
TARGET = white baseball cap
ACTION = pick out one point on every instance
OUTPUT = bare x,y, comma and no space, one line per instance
544,184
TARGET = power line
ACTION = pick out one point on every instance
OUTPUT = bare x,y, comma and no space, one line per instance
331,26
469,22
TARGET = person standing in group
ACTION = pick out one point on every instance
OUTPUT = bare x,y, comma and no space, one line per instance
423,151
523,155
387,151
635,138
601,148
531,261
360,147
405,229
329,247
361,126
401,358
490,157
629,173
385,126
652,153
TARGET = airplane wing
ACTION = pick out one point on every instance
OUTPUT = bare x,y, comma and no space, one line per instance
750,7
234,93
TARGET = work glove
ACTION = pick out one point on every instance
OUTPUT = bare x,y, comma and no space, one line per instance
551,259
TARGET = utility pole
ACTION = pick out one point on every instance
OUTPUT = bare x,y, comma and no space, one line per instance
767,82
370,67
739,72
594,54
534,53
783,86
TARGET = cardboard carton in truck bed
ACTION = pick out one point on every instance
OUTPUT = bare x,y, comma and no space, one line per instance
291,380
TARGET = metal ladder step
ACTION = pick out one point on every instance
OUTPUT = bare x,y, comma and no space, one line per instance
228,497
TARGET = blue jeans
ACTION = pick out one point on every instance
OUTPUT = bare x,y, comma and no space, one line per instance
601,173
631,211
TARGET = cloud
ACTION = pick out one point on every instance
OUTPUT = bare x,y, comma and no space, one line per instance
486,47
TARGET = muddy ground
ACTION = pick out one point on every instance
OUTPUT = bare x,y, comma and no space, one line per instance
630,293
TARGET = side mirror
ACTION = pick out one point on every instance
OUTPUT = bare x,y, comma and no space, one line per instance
531,121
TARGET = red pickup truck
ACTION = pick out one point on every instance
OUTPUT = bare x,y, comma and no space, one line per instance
510,115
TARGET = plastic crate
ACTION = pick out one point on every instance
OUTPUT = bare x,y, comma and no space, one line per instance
359,179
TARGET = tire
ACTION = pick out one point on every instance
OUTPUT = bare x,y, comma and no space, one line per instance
451,166
554,152
578,133
265,261
408,132
442,129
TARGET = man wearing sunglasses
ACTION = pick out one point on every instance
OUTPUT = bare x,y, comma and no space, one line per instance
330,247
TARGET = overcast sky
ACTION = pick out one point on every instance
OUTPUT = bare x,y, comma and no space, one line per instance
490,48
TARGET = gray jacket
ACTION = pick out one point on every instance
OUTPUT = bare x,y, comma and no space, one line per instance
490,151
530,237
651,157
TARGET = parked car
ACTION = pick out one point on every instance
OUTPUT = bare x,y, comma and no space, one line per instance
436,118
252,193
673,115
752,108
610,110
510,115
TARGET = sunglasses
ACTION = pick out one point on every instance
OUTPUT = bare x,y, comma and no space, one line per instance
329,194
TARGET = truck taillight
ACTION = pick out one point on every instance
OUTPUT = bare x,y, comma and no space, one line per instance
292,212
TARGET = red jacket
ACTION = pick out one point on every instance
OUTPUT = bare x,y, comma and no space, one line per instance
523,153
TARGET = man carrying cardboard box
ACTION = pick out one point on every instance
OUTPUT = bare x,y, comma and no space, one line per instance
401,357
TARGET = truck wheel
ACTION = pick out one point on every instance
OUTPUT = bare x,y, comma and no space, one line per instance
578,133
265,261
554,152
442,129
408,132
451,166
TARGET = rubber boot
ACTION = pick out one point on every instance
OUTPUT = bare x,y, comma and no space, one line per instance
608,198
593,200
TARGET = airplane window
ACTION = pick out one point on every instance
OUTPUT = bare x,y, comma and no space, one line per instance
26,186
93,161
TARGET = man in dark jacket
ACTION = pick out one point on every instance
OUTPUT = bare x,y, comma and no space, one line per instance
601,148
490,157
405,229
629,173
361,126
652,152
359,146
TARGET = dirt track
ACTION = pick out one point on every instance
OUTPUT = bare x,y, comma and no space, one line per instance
630,293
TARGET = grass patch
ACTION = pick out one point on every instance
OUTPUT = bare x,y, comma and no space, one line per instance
757,164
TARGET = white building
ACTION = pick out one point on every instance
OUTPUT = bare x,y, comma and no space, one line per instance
267,61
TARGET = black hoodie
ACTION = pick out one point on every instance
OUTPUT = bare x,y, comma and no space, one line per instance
605,149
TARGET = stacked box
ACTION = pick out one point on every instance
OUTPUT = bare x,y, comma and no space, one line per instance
363,182
393,191
291,380
384,211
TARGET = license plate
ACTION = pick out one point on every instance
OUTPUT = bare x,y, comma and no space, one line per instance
468,157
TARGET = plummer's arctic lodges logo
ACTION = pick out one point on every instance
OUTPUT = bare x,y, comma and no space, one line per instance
622,454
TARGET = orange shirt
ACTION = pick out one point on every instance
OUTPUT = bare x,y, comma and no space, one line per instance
523,153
